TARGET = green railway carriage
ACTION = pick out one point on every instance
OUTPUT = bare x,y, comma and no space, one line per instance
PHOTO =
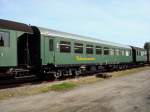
26,50
8,52
17,47
139,55
147,47
64,49
10,33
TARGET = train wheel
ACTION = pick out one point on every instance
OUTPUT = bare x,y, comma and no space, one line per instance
120,67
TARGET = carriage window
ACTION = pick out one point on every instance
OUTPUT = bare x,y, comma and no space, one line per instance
142,53
120,53
65,47
4,39
106,51
78,48
112,52
130,53
145,53
127,53
99,50
89,49
116,52
124,52
138,53
51,45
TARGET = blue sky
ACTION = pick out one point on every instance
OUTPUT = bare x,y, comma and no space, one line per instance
121,21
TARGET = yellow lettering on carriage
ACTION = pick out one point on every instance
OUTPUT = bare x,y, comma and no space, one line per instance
85,58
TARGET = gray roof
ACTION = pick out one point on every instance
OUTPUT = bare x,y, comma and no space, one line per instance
51,32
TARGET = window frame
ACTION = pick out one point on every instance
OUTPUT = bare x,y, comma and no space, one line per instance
78,46
127,52
100,48
112,51
89,46
108,51
51,47
63,44
8,32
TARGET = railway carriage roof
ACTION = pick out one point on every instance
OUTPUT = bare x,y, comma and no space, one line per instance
11,25
51,32
138,48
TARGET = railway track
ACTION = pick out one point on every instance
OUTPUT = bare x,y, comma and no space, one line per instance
9,83
15,82
29,80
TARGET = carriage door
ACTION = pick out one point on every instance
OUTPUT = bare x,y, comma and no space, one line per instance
49,50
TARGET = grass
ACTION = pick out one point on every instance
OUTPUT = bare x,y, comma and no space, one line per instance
23,91
129,71
63,86
86,80
29,91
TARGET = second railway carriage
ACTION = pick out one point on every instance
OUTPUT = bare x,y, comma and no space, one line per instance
147,47
69,51
13,38
139,55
